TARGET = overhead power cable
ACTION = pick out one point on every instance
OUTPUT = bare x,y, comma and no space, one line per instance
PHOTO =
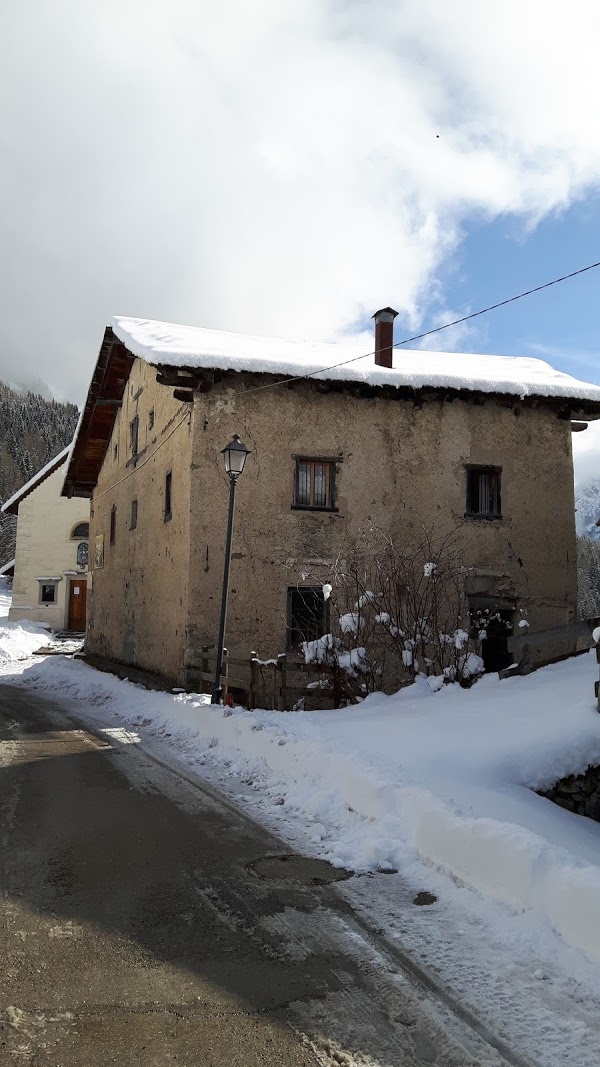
437,329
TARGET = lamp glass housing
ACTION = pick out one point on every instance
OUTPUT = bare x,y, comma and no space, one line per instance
235,456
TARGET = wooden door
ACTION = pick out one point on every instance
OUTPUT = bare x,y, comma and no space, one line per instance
77,602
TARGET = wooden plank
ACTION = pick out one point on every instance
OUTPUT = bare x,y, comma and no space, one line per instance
226,679
570,633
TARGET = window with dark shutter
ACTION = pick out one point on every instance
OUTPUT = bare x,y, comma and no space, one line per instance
314,483
134,427
483,492
168,495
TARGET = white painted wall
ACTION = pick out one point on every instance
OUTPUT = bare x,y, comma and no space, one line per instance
45,549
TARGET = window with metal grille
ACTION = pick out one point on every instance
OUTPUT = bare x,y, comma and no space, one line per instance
314,483
48,592
307,615
483,492
113,523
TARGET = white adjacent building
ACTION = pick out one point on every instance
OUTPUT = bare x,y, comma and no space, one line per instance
51,559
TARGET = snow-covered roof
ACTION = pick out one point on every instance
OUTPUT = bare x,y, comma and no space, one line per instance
10,566
195,347
12,505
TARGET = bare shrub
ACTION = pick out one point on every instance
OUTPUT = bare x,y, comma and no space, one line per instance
398,610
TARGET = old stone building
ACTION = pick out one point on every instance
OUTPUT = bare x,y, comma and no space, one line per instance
51,560
336,438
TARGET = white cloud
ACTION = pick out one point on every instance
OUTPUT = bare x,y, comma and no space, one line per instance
268,167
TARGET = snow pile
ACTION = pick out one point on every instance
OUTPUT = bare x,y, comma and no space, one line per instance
192,346
445,775
18,640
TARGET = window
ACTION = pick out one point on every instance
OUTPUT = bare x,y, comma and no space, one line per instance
134,509
116,453
483,492
307,615
168,495
81,530
47,592
113,523
314,483
151,419
134,426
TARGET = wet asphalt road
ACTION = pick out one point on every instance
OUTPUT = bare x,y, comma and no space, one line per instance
137,931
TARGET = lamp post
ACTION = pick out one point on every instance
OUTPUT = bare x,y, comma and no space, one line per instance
235,457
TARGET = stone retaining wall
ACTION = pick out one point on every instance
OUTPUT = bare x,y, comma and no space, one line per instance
578,792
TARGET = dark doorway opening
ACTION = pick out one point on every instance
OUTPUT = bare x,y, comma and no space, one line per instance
497,621
307,615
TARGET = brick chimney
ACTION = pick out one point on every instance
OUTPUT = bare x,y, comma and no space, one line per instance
384,336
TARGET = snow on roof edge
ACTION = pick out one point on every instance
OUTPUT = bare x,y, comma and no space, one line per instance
49,468
191,346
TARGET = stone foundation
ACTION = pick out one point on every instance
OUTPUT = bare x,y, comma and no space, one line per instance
578,792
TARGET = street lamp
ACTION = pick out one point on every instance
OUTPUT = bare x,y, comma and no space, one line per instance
235,457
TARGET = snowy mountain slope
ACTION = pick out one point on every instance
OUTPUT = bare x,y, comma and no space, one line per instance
587,504
586,456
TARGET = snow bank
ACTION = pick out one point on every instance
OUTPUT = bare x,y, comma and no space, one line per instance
192,346
5,598
448,775
19,639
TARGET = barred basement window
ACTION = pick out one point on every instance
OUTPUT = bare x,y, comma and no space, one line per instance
483,492
314,483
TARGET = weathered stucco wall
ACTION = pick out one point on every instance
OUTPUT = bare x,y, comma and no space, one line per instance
397,461
156,599
138,606
45,549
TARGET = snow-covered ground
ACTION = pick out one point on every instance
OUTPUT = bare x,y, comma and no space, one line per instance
436,786
5,598
448,776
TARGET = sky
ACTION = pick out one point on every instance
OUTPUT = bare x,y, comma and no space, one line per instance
288,168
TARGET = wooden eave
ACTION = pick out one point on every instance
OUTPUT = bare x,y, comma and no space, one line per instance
103,401
203,380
